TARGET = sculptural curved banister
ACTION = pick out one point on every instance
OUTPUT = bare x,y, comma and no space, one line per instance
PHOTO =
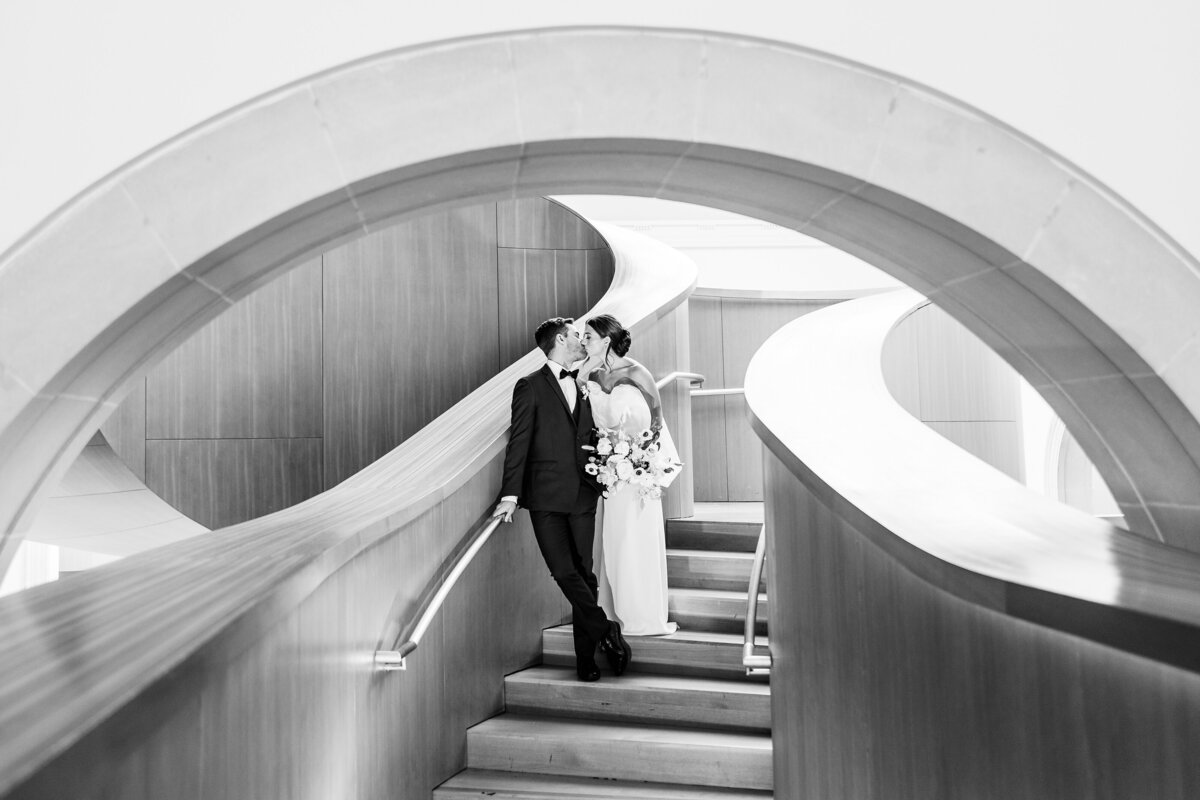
948,517
160,647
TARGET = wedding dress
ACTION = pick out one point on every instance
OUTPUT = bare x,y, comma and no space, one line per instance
630,552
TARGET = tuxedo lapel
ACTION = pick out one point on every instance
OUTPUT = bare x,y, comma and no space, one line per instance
548,374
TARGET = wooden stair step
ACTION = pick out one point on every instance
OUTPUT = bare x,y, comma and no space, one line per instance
713,610
474,784
699,653
693,533
641,697
583,748
739,511
711,569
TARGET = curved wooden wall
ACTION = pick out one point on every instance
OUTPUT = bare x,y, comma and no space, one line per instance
937,629
238,664
327,368
944,376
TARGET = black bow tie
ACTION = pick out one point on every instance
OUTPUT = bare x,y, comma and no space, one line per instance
568,373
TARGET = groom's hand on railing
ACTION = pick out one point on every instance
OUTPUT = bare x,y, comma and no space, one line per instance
505,509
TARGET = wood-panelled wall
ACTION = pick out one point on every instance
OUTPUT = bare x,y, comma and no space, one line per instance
946,377
319,373
886,687
725,332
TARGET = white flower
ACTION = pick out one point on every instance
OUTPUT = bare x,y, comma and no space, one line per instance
591,469
604,447
660,462
621,448
645,435
624,470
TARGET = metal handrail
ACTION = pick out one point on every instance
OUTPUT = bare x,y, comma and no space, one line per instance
716,392
406,640
754,664
695,377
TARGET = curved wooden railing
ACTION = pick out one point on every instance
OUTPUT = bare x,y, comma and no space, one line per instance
851,441
161,649
904,575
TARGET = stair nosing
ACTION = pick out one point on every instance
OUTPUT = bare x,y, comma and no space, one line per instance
750,741
634,680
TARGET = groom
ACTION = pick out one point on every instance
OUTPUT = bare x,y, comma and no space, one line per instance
543,471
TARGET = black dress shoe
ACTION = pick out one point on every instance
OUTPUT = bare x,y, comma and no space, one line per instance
588,673
616,649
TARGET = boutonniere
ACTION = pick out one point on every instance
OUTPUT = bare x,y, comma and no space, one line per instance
585,392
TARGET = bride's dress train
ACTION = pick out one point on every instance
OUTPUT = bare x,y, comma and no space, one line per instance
630,553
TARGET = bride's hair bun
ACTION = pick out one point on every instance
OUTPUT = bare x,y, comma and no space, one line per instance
621,341
618,338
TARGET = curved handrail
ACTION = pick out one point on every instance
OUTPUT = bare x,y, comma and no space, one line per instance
947,516
755,664
695,378
403,641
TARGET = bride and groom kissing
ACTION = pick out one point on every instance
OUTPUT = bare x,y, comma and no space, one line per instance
556,413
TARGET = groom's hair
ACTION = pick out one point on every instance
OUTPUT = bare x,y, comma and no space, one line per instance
548,330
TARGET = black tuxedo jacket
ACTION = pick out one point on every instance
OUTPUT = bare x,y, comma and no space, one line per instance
543,466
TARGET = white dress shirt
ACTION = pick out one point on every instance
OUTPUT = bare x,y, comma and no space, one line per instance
567,384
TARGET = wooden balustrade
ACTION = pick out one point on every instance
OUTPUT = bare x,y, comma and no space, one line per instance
937,629
238,664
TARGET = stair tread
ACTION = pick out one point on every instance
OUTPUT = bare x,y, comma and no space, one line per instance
731,555
556,732
732,526
531,786
642,698
715,594
723,512
626,751
699,637
641,681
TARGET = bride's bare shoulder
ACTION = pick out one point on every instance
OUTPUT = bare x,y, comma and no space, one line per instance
638,374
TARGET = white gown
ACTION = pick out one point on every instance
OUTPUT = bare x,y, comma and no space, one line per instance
630,552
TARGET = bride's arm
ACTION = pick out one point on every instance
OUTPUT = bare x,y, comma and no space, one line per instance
645,382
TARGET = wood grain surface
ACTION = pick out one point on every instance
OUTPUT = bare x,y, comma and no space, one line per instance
946,377
238,664
725,332
410,313
351,352
937,629
541,224
253,372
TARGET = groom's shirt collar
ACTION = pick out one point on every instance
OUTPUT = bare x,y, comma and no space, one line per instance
556,369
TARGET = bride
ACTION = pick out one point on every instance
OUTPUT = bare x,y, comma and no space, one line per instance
630,549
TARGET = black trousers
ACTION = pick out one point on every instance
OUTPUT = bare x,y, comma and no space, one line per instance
565,539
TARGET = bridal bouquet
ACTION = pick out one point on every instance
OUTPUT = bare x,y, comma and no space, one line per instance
622,459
